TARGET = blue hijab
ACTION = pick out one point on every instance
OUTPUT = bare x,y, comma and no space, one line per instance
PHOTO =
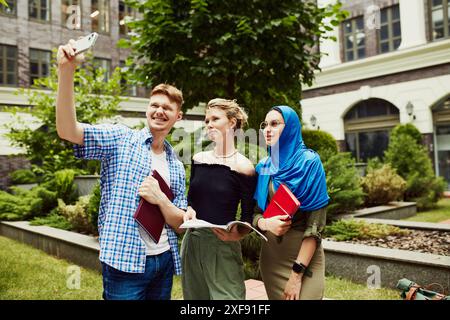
292,163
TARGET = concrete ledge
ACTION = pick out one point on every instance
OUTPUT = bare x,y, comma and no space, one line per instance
352,261
80,249
393,210
86,184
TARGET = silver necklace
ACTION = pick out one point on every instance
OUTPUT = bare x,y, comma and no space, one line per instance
225,156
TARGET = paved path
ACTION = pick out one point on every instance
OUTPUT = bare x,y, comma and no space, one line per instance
255,290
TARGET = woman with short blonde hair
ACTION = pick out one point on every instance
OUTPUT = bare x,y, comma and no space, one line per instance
221,179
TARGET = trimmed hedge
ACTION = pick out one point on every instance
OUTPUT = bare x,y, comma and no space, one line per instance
320,141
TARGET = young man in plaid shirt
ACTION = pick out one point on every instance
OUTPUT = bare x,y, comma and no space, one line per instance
134,266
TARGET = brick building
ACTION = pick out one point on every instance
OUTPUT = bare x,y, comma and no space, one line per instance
390,65
31,29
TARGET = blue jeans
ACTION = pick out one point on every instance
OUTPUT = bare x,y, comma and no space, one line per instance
154,284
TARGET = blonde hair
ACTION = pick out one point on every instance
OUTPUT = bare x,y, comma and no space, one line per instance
232,110
174,94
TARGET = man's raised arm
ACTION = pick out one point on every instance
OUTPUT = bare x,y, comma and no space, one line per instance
67,126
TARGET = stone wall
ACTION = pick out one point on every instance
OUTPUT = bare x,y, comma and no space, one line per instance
9,164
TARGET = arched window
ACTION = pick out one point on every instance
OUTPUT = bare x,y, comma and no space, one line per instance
441,122
367,128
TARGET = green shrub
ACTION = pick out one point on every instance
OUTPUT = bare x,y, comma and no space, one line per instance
26,204
77,214
40,200
62,182
343,230
343,184
48,200
13,207
251,246
407,129
382,186
320,141
23,176
373,164
251,269
95,98
94,207
52,220
412,163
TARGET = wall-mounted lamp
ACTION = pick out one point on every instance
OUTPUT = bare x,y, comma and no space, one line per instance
313,121
410,110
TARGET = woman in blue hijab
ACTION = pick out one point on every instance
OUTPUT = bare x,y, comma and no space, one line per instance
292,261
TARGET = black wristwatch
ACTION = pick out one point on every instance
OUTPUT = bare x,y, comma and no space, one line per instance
298,267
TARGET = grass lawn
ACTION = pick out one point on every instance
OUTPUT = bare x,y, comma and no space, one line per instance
441,213
28,273
341,289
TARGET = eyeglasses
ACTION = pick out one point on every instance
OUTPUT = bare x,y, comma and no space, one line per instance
274,124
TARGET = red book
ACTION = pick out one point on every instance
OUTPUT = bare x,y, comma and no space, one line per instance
148,215
283,202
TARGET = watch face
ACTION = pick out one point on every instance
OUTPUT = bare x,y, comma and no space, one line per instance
298,268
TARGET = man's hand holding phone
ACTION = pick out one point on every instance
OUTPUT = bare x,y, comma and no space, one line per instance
71,54
66,57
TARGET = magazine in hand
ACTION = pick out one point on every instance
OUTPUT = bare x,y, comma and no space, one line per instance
149,216
283,202
198,223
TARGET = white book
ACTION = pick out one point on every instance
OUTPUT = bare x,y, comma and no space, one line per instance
199,223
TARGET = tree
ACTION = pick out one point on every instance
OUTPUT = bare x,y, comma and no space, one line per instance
95,99
343,182
409,157
258,52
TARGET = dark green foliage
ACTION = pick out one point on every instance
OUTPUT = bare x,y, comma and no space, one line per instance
342,230
410,130
23,176
39,201
48,200
53,220
45,150
94,207
412,163
26,204
258,52
251,269
374,164
343,184
13,207
62,182
320,141
251,247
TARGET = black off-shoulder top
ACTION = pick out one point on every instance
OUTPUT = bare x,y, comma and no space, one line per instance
216,190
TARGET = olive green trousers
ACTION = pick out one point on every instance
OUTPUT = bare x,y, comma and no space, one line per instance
211,269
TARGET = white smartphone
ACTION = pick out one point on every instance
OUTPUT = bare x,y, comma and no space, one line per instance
85,43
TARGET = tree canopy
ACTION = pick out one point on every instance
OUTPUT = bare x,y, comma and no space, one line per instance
258,52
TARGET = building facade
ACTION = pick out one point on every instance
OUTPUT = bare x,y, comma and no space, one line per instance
389,65
31,29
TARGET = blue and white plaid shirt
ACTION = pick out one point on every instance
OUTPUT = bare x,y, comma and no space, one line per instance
126,161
